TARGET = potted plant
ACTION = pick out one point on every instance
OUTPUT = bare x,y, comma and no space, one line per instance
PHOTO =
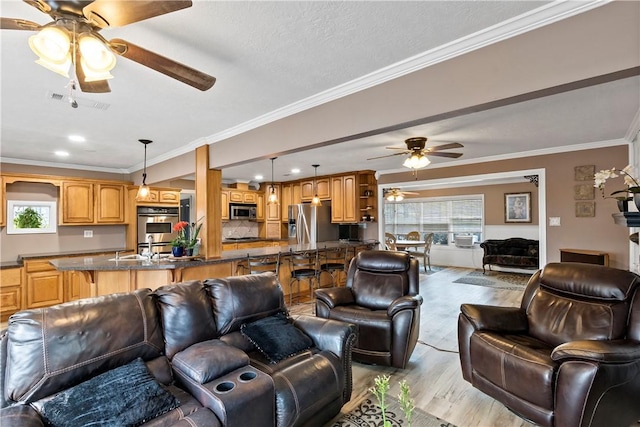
623,197
180,242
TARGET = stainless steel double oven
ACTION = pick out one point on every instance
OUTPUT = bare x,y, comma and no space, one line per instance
157,223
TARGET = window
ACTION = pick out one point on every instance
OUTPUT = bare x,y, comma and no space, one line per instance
445,217
24,217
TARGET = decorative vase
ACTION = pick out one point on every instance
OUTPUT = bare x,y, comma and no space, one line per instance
188,252
177,251
623,205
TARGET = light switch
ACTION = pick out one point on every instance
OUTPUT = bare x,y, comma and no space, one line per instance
554,221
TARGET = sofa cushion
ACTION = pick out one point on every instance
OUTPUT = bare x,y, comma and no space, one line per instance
276,337
208,360
124,396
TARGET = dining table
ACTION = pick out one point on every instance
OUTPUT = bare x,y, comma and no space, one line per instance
402,245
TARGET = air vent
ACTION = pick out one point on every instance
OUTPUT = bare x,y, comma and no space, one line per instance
82,102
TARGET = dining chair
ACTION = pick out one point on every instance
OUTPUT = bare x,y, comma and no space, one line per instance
413,235
390,242
303,266
428,241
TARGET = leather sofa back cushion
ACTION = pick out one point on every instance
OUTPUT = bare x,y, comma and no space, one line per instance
186,315
382,261
54,348
377,291
241,299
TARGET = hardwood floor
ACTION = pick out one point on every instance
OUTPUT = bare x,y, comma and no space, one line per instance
433,373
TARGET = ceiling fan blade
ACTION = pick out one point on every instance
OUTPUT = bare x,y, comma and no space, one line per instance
109,13
100,86
18,24
164,65
445,147
397,148
388,155
444,154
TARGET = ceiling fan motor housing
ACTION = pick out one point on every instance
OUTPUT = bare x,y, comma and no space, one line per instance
416,144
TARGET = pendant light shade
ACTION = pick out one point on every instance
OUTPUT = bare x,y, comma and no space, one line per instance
273,197
316,200
144,194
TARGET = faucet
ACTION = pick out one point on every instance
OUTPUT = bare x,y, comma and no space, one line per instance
150,242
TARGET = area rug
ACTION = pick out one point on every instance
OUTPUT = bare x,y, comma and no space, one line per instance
496,279
368,415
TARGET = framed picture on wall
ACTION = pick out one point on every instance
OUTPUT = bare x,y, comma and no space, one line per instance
31,217
517,207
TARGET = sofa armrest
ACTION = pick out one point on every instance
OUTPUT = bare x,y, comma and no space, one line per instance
207,360
493,318
327,334
407,302
333,297
616,351
20,416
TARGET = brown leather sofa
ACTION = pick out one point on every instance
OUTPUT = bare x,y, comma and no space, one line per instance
381,296
568,356
188,337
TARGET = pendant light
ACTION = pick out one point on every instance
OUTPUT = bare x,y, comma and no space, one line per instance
273,197
144,194
316,200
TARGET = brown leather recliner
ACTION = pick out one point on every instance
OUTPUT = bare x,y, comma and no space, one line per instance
381,297
568,356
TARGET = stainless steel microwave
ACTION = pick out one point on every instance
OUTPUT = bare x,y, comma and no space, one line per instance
242,211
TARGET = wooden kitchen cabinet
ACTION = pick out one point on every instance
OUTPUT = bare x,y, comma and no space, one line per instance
272,230
44,284
76,202
236,196
248,197
3,203
321,186
306,190
10,292
344,206
260,207
285,201
224,205
110,203
75,285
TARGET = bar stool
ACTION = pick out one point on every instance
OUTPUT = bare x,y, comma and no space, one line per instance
334,261
262,264
303,266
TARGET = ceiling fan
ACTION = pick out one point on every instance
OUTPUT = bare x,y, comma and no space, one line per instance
395,194
73,38
418,153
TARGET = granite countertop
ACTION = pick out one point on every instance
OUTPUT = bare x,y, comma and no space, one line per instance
105,262
19,262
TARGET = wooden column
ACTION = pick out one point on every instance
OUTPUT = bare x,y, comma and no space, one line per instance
208,195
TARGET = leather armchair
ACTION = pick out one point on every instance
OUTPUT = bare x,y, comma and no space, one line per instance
568,356
381,297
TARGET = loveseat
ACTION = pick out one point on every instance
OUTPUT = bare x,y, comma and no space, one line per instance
177,356
514,252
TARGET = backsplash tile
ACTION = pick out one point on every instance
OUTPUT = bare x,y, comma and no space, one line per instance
239,228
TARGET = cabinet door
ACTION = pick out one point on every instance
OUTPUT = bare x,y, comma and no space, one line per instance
349,197
76,286
273,210
324,188
306,191
250,197
110,203
260,207
172,197
3,214
296,194
273,230
285,201
10,292
236,196
224,205
337,204
44,288
77,203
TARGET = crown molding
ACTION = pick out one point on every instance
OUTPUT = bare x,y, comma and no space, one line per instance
63,165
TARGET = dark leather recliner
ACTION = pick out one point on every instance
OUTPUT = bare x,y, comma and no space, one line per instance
568,356
381,297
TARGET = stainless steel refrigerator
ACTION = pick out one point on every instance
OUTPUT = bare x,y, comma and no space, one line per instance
311,224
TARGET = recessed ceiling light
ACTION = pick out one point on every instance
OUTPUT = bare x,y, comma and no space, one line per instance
77,138
61,153
295,170
259,177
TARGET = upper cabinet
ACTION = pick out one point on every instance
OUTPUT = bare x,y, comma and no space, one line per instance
368,201
224,205
159,196
320,186
343,202
84,202
291,195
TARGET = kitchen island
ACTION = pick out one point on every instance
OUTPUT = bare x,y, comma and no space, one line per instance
105,274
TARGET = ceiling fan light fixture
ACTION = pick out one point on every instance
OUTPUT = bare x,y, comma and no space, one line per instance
416,161
62,69
52,44
96,56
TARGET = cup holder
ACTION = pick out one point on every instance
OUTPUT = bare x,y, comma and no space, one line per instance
247,376
225,387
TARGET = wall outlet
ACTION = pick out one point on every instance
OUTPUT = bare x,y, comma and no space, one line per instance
88,233
554,221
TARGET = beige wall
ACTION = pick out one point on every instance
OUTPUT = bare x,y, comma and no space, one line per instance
594,233
66,239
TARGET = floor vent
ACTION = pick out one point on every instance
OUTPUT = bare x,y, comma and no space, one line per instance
82,102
